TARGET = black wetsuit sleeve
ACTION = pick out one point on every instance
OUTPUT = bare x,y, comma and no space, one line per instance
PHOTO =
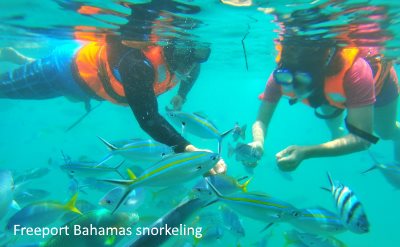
137,77
187,84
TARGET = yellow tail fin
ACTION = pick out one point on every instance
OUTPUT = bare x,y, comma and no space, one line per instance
244,185
131,175
71,205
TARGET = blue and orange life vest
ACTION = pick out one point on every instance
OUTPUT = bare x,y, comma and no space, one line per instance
334,85
96,73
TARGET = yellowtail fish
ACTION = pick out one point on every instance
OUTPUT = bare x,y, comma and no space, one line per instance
133,201
26,196
311,240
6,191
31,174
173,169
391,171
89,169
350,209
42,214
225,184
111,228
319,221
257,206
198,125
137,150
232,222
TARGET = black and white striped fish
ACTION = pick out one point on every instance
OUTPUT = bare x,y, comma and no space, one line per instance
350,208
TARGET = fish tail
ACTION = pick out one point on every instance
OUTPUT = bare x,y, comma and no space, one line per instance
131,174
127,192
71,204
243,134
369,169
244,186
105,159
226,133
117,168
110,146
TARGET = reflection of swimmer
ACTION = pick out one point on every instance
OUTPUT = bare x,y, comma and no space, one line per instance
332,79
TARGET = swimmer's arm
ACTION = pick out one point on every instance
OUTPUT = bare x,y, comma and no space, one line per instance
138,85
361,118
260,126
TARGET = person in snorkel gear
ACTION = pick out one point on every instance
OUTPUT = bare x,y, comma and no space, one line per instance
117,73
332,79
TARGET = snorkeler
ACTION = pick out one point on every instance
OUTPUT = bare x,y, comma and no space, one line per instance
332,79
117,73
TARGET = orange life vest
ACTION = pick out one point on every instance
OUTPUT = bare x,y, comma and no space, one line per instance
95,71
334,85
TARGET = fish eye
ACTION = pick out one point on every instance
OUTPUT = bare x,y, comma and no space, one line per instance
72,172
183,123
162,154
108,201
199,168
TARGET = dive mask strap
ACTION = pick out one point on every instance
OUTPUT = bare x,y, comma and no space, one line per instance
361,133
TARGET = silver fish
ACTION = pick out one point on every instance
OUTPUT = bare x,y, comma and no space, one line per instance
137,150
311,240
173,169
233,222
41,214
89,169
27,196
6,191
133,201
225,184
350,208
257,206
319,221
198,125
31,174
391,171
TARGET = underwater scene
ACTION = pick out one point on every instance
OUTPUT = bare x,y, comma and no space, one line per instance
247,123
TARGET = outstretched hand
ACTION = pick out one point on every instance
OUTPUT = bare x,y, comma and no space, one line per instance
177,102
290,158
259,149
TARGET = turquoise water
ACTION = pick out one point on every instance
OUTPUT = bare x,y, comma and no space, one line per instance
33,132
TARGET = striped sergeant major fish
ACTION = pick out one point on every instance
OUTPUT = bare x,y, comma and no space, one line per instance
173,169
350,208
257,206
391,171
136,150
319,221
198,125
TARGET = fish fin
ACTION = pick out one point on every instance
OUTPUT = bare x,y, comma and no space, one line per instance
330,179
15,205
201,114
213,188
104,160
241,178
70,206
119,182
110,146
131,174
226,133
124,196
117,169
231,150
323,188
210,203
369,169
244,186
266,227
243,133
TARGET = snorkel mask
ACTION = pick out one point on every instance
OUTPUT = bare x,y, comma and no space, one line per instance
299,82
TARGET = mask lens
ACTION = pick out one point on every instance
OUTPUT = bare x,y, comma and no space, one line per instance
283,77
303,78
